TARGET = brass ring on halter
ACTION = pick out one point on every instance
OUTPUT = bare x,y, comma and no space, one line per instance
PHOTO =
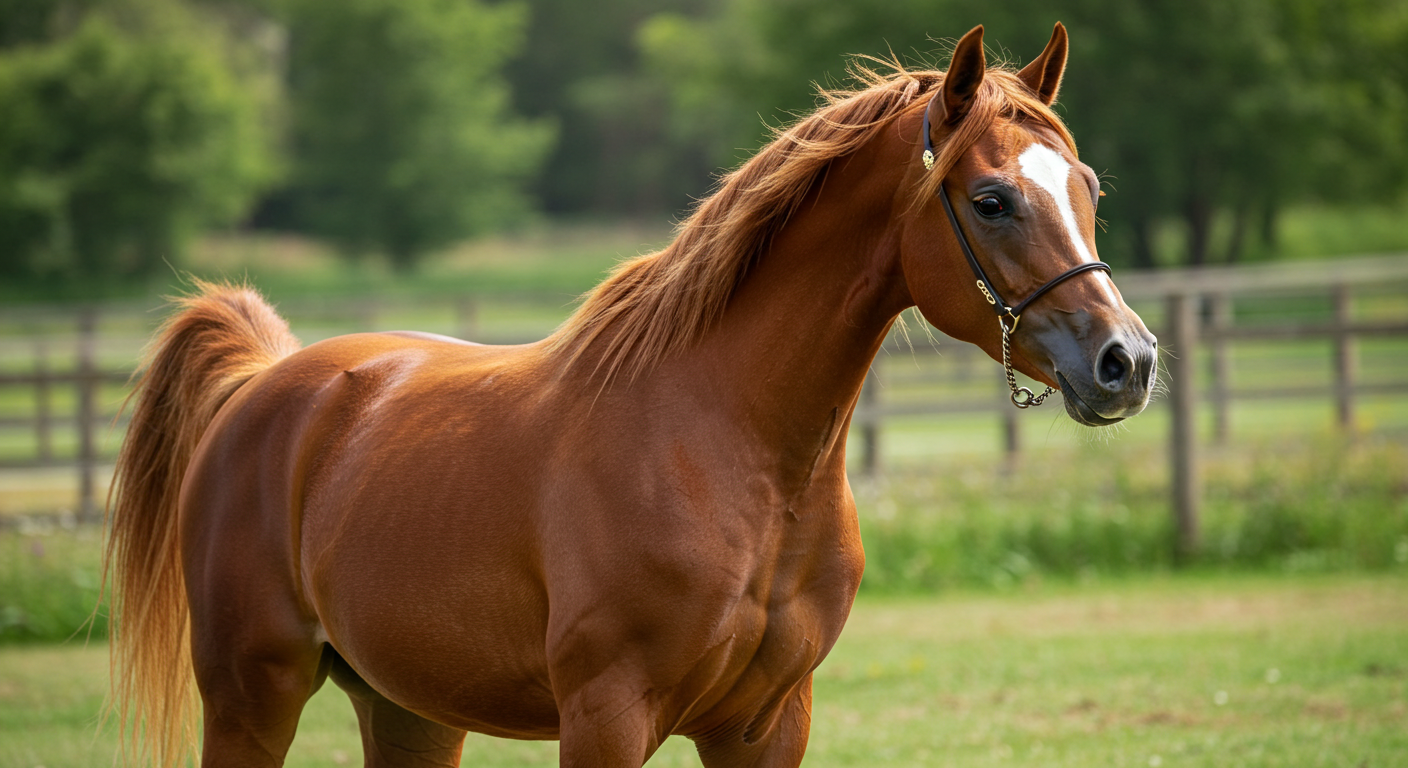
1022,397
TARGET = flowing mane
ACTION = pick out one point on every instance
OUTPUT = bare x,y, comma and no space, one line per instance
656,304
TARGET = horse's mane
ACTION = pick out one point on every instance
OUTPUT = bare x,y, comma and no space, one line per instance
656,304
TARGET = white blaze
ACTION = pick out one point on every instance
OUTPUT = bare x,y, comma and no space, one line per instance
1048,170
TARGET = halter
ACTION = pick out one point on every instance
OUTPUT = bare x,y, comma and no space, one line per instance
1021,396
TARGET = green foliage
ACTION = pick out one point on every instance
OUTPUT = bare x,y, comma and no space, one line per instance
615,152
49,584
401,138
28,22
1191,108
391,127
1316,510
1244,108
131,124
119,140
1318,507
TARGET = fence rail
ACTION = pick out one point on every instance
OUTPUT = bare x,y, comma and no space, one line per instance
1200,312
1199,325
1199,321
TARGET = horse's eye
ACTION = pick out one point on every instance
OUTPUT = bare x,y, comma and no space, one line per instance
990,206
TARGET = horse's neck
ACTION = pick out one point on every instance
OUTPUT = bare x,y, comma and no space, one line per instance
792,349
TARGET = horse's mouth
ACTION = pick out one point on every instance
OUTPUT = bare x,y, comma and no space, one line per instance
1079,410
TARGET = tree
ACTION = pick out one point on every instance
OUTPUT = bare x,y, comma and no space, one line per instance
1206,109
1196,109
119,140
401,139
615,153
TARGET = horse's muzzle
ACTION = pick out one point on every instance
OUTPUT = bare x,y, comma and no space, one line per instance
1118,384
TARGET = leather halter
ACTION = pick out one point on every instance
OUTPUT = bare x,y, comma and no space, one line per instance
985,285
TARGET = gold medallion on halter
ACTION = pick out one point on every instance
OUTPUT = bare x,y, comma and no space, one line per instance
928,159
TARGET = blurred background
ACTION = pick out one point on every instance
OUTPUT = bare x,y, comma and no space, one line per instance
471,167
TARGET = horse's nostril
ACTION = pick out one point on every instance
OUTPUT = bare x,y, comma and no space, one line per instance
1114,367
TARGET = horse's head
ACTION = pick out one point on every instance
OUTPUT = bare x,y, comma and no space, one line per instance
1025,206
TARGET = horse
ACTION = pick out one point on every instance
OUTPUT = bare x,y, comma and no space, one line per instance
639,526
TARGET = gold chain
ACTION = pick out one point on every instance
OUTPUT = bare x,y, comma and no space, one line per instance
1021,396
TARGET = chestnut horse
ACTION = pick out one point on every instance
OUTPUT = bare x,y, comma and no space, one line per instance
637,527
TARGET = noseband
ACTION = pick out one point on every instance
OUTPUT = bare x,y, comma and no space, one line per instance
1021,396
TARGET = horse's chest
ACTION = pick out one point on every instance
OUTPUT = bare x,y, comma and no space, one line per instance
789,621
725,597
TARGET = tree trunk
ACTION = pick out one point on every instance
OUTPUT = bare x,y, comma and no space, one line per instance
1238,240
1143,243
1198,215
1268,226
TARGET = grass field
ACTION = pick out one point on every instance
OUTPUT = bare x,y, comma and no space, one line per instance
1187,671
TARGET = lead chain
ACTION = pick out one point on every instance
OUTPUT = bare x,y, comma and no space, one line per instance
1021,396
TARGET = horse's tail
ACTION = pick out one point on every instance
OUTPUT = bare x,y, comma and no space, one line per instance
221,336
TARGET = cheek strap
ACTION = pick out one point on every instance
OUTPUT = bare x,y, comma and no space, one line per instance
985,285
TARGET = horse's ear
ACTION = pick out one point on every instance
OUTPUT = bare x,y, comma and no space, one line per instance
965,75
1043,75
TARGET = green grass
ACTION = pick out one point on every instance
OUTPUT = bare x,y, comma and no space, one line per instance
1188,671
49,579
555,257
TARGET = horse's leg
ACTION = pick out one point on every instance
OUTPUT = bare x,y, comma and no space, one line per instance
781,743
395,737
605,725
254,647
253,697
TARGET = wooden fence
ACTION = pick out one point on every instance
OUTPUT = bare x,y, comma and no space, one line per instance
1200,321
1201,311
86,417
1199,324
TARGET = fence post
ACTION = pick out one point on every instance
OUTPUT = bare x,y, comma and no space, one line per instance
1182,374
87,385
43,435
869,425
1345,354
1221,366
1011,431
